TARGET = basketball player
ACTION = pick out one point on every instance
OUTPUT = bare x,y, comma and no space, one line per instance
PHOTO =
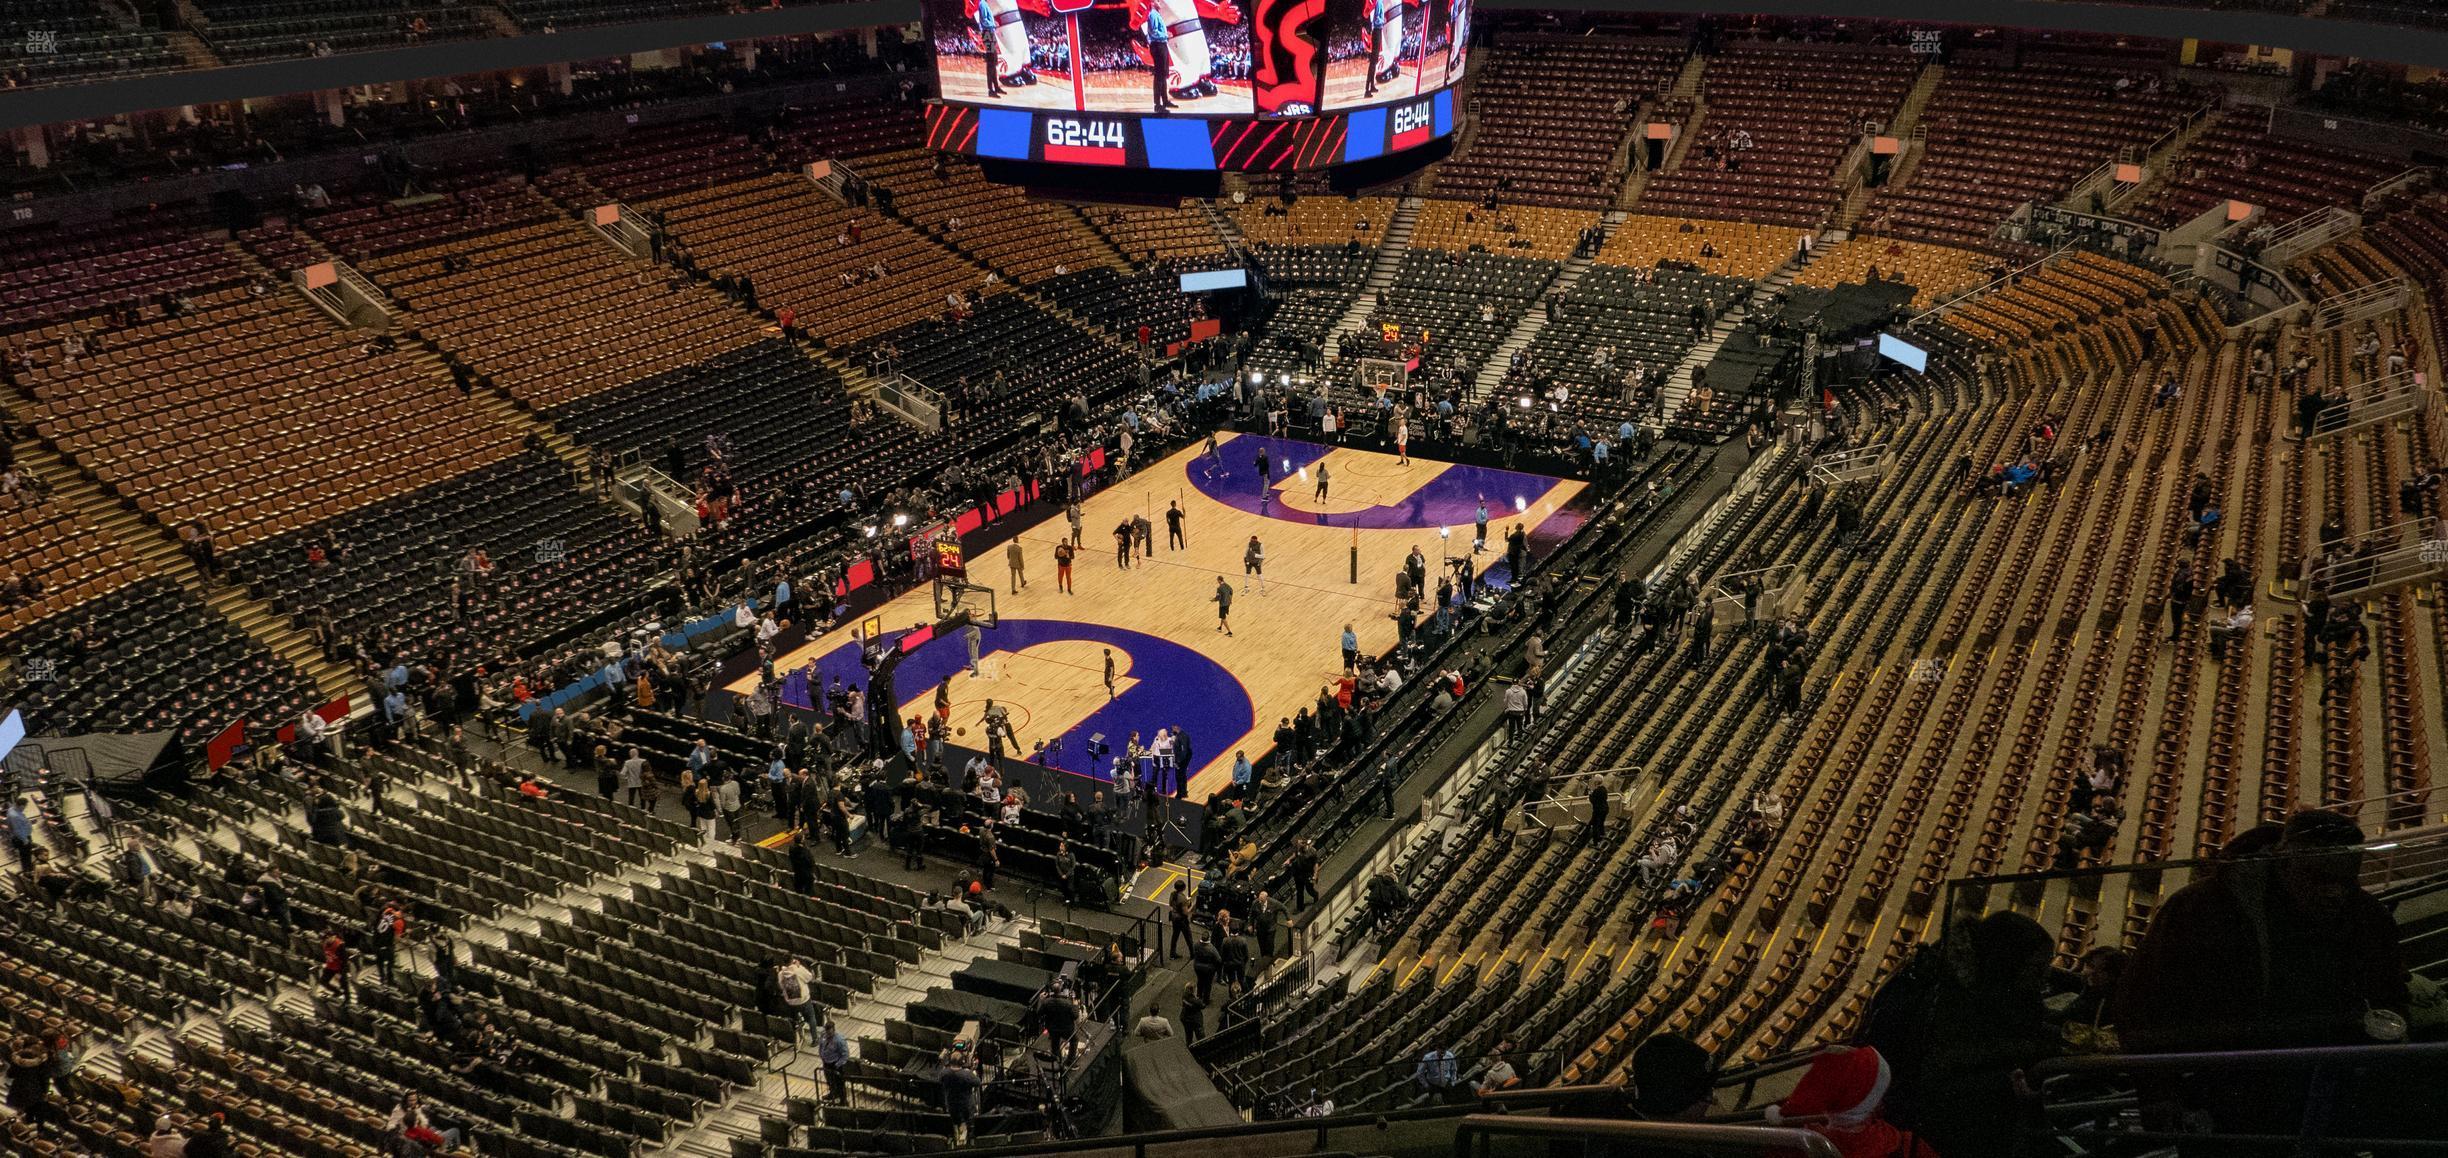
1253,566
1223,602
1322,479
1003,33
1160,63
1386,35
1109,675
1457,37
1188,69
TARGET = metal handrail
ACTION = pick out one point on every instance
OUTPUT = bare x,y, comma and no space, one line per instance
1993,283
2433,1052
2159,867
1142,1144
1694,1137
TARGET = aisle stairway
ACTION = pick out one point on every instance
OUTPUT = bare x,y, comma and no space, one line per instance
1533,320
798,1074
1678,383
157,546
1227,230
1391,246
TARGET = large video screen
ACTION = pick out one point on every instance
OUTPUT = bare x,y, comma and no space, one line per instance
1187,58
1384,51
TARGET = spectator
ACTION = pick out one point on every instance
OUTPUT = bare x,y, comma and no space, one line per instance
325,820
796,987
1672,1078
1499,1075
2278,948
1433,1076
833,1050
167,1140
1956,1027
1841,1098
960,1088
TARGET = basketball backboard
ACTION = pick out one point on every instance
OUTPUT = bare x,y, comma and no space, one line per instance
953,597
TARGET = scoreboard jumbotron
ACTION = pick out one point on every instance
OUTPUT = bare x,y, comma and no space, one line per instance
1190,86
1181,143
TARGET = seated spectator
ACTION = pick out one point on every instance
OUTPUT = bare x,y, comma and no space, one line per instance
1499,1075
1672,1079
1841,1098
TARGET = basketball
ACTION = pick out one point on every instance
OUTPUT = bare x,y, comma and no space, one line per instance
960,731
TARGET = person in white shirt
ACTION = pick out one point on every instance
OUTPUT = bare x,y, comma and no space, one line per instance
2238,624
797,989
168,1141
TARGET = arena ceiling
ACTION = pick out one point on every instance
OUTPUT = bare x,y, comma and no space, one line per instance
2321,35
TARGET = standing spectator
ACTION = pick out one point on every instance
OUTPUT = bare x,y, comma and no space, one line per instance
727,802
1957,1025
699,802
2278,948
833,1050
1303,867
796,986
1178,904
960,1088
21,833
1205,963
1265,917
325,821
633,776
1235,959
338,967
390,928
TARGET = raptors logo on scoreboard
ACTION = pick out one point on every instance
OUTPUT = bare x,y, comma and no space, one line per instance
1414,124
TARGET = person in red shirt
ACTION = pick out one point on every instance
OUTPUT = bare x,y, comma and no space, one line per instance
336,967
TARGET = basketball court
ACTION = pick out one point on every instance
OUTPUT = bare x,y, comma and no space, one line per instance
1044,660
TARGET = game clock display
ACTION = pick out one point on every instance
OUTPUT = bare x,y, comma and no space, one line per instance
1235,144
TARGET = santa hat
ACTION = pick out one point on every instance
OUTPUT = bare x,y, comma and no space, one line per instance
1844,1086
